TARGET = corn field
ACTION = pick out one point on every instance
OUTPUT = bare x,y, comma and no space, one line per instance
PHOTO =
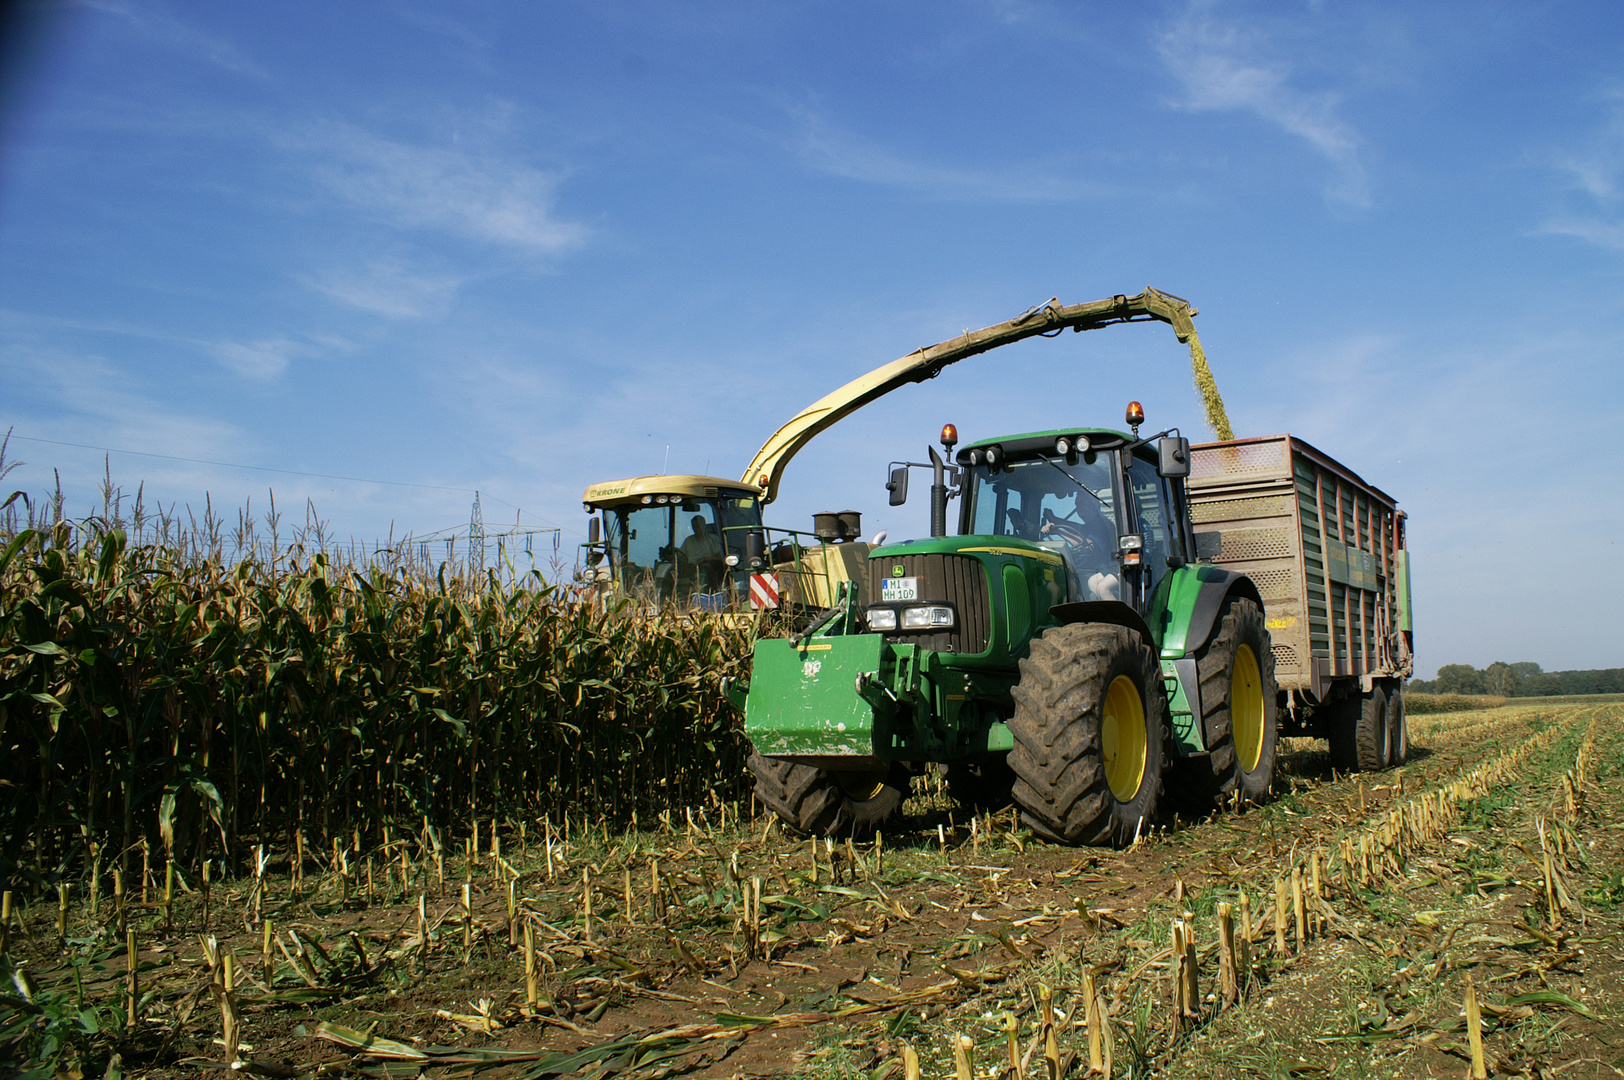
165,694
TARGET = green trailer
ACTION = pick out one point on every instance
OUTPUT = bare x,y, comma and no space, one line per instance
1327,552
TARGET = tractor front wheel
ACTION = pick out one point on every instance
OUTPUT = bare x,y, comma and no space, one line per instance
822,802
1090,720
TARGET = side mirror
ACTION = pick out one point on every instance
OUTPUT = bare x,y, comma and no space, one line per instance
755,548
594,529
898,485
594,557
1208,545
1173,456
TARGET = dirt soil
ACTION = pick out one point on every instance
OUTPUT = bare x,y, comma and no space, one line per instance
950,924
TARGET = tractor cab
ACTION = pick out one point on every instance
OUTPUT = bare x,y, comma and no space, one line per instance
1102,500
671,540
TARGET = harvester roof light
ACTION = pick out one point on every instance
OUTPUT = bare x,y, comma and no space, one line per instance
1062,446
1082,444
950,436
1136,415
993,457
647,499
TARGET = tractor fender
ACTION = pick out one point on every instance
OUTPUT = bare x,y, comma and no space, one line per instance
1114,612
1217,587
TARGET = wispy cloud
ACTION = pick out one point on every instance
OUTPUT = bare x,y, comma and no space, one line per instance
476,196
1595,176
830,149
261,360
1226,69
389,288
158,25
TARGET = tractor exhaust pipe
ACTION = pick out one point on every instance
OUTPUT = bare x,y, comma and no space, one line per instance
938,495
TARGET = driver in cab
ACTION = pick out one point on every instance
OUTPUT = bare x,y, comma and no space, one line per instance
1090,543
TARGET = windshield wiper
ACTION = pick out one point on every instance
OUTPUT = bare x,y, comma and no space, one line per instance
1049,462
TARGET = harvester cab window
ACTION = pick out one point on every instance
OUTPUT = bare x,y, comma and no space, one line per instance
696,551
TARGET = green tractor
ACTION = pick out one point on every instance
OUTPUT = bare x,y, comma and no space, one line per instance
1068,650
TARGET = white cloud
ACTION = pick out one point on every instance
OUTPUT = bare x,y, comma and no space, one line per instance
390,289
476,196
1595,174
831,150
262,360
1222,70
160,26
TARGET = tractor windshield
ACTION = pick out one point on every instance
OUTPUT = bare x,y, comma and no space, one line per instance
1070,508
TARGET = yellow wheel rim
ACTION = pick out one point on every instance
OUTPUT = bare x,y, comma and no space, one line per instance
1122,738
860,786
1246,708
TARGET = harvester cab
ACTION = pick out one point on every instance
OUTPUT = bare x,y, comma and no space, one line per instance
671,540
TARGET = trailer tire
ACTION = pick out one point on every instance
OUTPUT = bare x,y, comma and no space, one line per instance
981,785
1398,726
1359,735
816,802
1238,692
1090,720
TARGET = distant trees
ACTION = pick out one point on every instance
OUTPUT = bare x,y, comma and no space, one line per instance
1522,679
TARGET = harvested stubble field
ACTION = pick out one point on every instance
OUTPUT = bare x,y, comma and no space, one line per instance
1491,867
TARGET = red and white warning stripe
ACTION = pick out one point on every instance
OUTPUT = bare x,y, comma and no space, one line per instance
763,590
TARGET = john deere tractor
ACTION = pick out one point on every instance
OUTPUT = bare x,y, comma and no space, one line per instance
1067,650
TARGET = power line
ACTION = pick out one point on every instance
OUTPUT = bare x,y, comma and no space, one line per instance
258,468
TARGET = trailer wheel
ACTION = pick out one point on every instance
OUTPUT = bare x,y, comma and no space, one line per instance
1236,671
1090,720
1359,735
981,785
1398,727
818,802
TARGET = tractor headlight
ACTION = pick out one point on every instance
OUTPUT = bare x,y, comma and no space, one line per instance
882,618
932,617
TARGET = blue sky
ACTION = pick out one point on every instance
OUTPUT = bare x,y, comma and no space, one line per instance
521,247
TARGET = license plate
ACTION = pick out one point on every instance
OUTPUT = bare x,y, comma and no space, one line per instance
899,588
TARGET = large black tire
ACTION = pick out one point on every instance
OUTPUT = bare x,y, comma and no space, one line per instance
1238,692
1398,726
1359,734
816,802
1090,719
981,785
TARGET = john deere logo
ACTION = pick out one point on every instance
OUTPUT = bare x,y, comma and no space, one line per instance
898,571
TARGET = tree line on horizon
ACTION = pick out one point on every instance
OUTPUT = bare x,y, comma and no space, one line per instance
1523,679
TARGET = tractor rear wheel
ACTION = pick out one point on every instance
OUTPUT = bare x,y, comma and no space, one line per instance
1359,734
1089,724
820,802
1398,727
981,785
1236,672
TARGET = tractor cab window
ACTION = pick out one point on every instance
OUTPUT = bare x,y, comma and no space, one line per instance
1069,508
1151,509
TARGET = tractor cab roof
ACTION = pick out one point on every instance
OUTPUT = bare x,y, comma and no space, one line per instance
1016,446
613,493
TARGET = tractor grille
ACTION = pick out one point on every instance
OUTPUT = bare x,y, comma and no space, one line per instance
955,579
